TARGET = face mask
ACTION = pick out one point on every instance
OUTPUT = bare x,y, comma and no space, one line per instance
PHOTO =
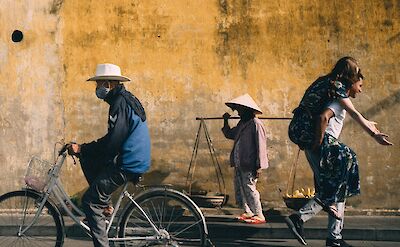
102,92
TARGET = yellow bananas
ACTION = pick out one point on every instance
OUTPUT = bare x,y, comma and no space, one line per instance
302,193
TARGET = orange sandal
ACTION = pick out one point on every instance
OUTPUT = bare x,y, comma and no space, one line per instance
244,216
255,220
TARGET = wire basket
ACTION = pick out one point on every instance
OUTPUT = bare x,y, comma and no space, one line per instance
37,174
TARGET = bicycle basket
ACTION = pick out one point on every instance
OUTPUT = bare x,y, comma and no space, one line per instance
37,174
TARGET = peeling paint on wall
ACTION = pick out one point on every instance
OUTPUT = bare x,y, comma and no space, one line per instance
187,58
236,31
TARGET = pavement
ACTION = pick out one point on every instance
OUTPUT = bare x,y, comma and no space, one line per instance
358,225
368,227
251,242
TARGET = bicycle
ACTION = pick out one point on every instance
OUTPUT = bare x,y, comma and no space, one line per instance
157,216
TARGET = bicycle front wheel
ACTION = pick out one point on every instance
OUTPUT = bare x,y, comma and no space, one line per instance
18,210
178,220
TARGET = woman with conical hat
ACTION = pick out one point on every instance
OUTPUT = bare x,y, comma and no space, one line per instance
248,156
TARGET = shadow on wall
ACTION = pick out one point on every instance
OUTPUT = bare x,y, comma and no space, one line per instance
157,177
154,177
385,103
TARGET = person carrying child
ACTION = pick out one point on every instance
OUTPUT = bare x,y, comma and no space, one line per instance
316,126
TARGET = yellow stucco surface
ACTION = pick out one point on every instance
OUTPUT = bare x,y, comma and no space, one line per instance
186,58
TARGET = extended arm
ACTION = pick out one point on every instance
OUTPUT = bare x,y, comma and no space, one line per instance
367,125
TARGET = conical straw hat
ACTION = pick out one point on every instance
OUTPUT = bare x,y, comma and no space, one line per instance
244,100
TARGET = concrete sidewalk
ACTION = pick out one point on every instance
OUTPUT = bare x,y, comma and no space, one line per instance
357,225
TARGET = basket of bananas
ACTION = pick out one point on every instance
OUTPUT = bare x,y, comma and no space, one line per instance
299,198
296,199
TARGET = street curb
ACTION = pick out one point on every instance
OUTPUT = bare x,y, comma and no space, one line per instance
349,211
242,231
366,228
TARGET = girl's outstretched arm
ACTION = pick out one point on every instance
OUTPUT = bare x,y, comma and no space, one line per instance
367,125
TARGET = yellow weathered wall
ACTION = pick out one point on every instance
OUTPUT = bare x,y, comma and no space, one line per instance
186,58
31,77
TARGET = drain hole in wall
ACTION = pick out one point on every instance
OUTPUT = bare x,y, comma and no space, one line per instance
17,36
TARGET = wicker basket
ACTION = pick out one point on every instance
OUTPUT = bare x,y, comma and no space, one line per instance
209,200
37,174
295,203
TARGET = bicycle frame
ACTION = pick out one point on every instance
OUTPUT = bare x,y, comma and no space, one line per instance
56,188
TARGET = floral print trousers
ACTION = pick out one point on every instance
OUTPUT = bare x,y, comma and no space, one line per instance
338,176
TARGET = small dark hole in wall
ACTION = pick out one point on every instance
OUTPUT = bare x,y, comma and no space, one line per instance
17,36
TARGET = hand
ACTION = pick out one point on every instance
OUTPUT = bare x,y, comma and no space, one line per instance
381,139
73,149
258,172
372,126
226,116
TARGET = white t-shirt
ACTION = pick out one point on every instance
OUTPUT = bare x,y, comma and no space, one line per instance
335,124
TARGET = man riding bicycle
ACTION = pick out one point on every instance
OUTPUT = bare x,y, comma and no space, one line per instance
123,154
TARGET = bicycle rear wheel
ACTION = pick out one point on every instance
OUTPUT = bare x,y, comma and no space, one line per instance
17,210
178,220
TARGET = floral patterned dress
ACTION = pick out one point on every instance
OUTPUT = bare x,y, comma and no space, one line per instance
315,100
338,167
338,171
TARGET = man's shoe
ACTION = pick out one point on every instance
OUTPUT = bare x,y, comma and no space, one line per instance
295,225
336,243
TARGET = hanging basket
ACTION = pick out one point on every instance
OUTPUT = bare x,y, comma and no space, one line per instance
295,203
204,198
209,199
296,199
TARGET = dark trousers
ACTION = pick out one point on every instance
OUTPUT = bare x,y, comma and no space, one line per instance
103,182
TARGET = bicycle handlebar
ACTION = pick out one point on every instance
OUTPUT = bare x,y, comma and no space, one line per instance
63,149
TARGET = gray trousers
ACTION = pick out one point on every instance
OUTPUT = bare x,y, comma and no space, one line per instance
247,195
309,210
98,196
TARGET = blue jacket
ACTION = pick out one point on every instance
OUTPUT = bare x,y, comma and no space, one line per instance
127,141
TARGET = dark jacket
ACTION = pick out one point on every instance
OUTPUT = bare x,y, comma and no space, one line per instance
248,151
127,141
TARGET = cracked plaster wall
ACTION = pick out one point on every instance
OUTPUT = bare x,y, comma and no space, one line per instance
186,58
